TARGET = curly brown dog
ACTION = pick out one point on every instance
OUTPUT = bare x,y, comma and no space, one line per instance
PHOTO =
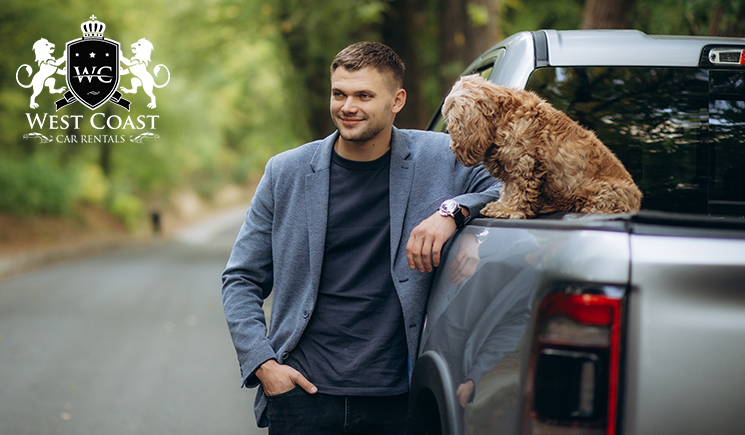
547,162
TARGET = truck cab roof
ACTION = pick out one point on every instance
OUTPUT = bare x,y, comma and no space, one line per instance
630,47
579,48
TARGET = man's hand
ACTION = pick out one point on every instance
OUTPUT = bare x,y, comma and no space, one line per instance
277,379
425,243
465,392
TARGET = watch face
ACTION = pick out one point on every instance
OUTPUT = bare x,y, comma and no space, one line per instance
449,206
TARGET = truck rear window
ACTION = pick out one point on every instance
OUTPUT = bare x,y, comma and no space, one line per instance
679,131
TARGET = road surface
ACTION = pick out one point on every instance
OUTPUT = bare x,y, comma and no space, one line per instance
131,342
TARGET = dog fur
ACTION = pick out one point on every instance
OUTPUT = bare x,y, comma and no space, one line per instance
547,162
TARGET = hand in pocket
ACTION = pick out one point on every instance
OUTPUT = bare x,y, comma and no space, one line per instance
277,379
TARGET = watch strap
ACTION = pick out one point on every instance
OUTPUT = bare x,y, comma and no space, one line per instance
460,218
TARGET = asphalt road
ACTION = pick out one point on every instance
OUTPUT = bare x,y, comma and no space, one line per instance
131,342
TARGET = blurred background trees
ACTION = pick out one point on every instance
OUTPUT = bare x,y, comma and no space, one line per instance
250,78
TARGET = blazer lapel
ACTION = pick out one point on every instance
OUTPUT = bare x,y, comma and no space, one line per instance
317,202
402,174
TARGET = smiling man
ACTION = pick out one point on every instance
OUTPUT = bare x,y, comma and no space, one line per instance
345,233
364,104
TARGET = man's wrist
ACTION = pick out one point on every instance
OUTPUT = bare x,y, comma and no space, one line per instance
451,208
266,365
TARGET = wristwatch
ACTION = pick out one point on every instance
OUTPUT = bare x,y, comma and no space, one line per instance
450,207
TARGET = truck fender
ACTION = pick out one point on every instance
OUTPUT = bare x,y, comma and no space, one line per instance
432,395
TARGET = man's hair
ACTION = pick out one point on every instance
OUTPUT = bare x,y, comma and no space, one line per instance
374,55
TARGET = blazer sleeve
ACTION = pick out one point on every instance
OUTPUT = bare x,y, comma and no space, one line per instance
247,281
481,189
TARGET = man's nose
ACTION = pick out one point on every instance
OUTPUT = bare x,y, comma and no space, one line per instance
349,105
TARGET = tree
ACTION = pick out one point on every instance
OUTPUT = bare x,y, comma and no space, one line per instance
468,28
716,17
404,20
607,14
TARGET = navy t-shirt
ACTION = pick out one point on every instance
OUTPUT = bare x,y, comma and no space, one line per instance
355,342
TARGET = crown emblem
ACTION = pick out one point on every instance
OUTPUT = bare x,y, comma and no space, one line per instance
93,28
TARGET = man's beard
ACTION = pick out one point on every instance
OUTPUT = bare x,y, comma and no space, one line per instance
359,136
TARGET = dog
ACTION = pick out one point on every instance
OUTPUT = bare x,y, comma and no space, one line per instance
138,67
547,162
48,65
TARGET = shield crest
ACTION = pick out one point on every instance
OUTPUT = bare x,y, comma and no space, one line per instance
93,70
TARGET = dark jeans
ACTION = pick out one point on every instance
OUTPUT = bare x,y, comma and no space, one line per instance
297,413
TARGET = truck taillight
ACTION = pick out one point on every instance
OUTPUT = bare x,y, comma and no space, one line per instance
574,368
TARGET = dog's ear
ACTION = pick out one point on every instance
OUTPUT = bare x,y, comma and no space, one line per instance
504,99
470,113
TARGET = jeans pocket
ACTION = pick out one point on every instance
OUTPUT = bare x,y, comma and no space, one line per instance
285,394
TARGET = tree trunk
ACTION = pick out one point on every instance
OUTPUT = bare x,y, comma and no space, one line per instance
482,27
452,41
402,24
607,14
104,155
467,29
734,27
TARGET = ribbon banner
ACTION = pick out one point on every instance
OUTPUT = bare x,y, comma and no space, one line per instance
69,98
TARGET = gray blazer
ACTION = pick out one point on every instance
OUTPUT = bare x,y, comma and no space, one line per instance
281,244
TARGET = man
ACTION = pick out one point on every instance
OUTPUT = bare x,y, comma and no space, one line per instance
346,233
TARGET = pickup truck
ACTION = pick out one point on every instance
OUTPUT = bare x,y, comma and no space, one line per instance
626,324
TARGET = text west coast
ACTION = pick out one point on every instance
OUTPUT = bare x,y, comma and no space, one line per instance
97,121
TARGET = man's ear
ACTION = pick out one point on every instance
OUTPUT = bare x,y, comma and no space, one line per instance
399,100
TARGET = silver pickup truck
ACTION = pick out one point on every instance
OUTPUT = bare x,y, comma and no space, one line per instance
604,324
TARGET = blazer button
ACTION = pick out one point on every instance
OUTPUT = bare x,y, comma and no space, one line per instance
284,356
305,314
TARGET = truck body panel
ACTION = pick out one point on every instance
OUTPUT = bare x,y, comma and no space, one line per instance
685,335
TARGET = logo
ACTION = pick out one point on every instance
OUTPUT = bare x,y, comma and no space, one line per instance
93,69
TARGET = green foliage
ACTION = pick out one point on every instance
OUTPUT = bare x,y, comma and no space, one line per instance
92,184
521,15
129,209
691,17
232,99
477,14
35,186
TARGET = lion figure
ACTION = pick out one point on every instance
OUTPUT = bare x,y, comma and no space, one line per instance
137,65
47,67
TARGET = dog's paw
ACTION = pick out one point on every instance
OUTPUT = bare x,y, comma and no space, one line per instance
498,211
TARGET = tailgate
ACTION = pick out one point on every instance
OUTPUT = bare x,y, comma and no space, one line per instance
685,371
